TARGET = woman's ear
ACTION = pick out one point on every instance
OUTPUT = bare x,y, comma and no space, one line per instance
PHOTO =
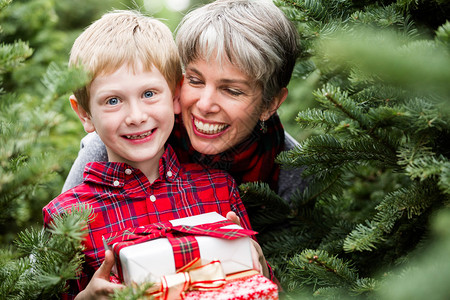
83,115
275,104
176,97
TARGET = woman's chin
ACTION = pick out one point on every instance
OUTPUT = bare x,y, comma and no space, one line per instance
208,148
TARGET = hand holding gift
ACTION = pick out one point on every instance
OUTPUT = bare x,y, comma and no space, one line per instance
259,261
100,287
156,253
159,253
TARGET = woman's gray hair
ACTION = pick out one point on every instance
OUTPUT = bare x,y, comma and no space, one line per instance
254,35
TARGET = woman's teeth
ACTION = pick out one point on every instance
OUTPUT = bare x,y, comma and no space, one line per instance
141,136
209,128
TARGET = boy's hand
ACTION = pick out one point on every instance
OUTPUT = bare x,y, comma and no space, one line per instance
259,261
232,216
100,287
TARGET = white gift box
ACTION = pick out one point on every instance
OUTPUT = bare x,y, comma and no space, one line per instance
150,260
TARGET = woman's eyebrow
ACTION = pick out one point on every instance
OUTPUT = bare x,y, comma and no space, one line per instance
193,69
240,81
222,80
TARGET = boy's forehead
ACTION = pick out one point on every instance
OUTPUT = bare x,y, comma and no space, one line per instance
132,67
125,71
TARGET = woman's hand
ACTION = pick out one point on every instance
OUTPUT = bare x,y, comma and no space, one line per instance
100,287
259,261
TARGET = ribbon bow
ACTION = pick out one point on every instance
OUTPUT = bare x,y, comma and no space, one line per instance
193,276
181,238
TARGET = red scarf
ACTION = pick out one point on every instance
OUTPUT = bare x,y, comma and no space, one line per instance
251,160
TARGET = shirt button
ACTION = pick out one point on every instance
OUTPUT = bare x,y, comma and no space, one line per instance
116,183
127,171
152,198
169,173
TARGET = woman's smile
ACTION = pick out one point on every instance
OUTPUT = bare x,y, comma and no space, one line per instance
206,127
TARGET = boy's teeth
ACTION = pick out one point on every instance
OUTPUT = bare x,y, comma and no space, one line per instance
141,136
209,128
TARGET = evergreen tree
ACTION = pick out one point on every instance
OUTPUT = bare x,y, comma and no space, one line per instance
42,261
378,160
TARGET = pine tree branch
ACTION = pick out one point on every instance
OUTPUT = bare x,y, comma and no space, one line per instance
363,122
50,258
326,153
13,55
265,208
317,268
412,201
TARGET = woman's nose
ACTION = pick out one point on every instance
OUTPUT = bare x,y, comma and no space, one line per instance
208,101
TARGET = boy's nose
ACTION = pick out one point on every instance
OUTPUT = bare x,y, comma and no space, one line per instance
136,115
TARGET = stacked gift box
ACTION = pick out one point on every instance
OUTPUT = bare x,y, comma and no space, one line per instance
199,257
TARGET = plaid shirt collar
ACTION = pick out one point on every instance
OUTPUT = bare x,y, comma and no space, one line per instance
114,173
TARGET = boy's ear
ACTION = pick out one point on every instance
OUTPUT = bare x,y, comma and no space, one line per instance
84,117
277,101
176,97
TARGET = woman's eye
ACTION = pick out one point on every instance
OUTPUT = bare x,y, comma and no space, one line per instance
194,80
148,94
234,92
113,101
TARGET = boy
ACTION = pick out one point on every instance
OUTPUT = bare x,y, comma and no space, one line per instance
130,102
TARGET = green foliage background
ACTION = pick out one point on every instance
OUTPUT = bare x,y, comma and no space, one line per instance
368,102
376,152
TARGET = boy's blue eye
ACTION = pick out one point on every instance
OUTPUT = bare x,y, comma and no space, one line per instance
113,101
148,94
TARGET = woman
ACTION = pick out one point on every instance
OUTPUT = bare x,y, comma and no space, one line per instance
238,58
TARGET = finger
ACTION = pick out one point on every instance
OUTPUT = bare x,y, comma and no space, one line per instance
255,260
106,267
259,260
110,287
232,216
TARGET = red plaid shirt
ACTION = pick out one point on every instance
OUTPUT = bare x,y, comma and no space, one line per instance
121,197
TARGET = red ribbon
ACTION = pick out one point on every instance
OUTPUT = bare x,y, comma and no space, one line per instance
181,237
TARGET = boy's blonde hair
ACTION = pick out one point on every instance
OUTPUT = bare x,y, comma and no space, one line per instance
125,37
